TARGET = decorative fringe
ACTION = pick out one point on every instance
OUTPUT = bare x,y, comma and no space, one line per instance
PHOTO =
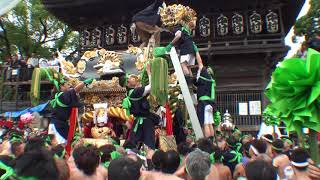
159,81
72,128
41,74
37,75
169,128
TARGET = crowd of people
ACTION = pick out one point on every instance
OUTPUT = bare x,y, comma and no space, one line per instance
217,156
20,69
223,157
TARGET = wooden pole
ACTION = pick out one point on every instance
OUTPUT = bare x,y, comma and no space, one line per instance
314,148
186,94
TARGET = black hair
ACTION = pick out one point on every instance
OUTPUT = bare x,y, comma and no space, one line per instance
39,164
277,146
170,162
15,147
128,145
7,160
157,159
58,150
106,151
218,154
184,148
116,140
15,133
269,137
124,168
246,148
205,144
260,145
49,138
261,170
34,144
300,155
87,159
232,142
193,147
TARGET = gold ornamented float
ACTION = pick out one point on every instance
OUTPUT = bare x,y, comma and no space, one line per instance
102,99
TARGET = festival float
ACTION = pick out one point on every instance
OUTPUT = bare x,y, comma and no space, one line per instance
109,67
102,115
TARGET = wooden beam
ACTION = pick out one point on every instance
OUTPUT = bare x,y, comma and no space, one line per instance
186,94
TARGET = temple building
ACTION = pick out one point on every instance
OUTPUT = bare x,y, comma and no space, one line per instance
242,40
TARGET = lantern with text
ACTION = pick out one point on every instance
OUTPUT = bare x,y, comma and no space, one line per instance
204,27
110,35
85,38
237,24
122,34
272,22
222,25
135,38
97,33
255,22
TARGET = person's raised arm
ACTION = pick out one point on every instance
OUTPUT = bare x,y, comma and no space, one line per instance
174,41
83,84
147,89
176,37
198,56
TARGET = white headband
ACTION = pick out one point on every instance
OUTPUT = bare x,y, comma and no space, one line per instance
262,137
255,151
300,164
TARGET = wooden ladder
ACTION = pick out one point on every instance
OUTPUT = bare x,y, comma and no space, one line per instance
186,94
183,85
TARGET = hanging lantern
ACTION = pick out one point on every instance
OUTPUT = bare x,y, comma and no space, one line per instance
135,38
255,22
110,35
222,25
85,38
82,38
97,37
237,24
204,27
272,22
122,34
93,38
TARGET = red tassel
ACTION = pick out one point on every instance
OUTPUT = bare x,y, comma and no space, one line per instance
72,128
20,125
5,123
169,120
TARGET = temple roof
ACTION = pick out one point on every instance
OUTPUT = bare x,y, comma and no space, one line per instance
78,13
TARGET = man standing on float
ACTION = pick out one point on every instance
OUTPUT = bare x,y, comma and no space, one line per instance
206,96
185,45
144,121
147,23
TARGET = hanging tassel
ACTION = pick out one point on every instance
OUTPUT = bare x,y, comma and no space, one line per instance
159,79
37,75
169,128
72,128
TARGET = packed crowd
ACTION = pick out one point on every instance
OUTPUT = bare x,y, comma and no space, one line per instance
20,69
223,157
218,156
